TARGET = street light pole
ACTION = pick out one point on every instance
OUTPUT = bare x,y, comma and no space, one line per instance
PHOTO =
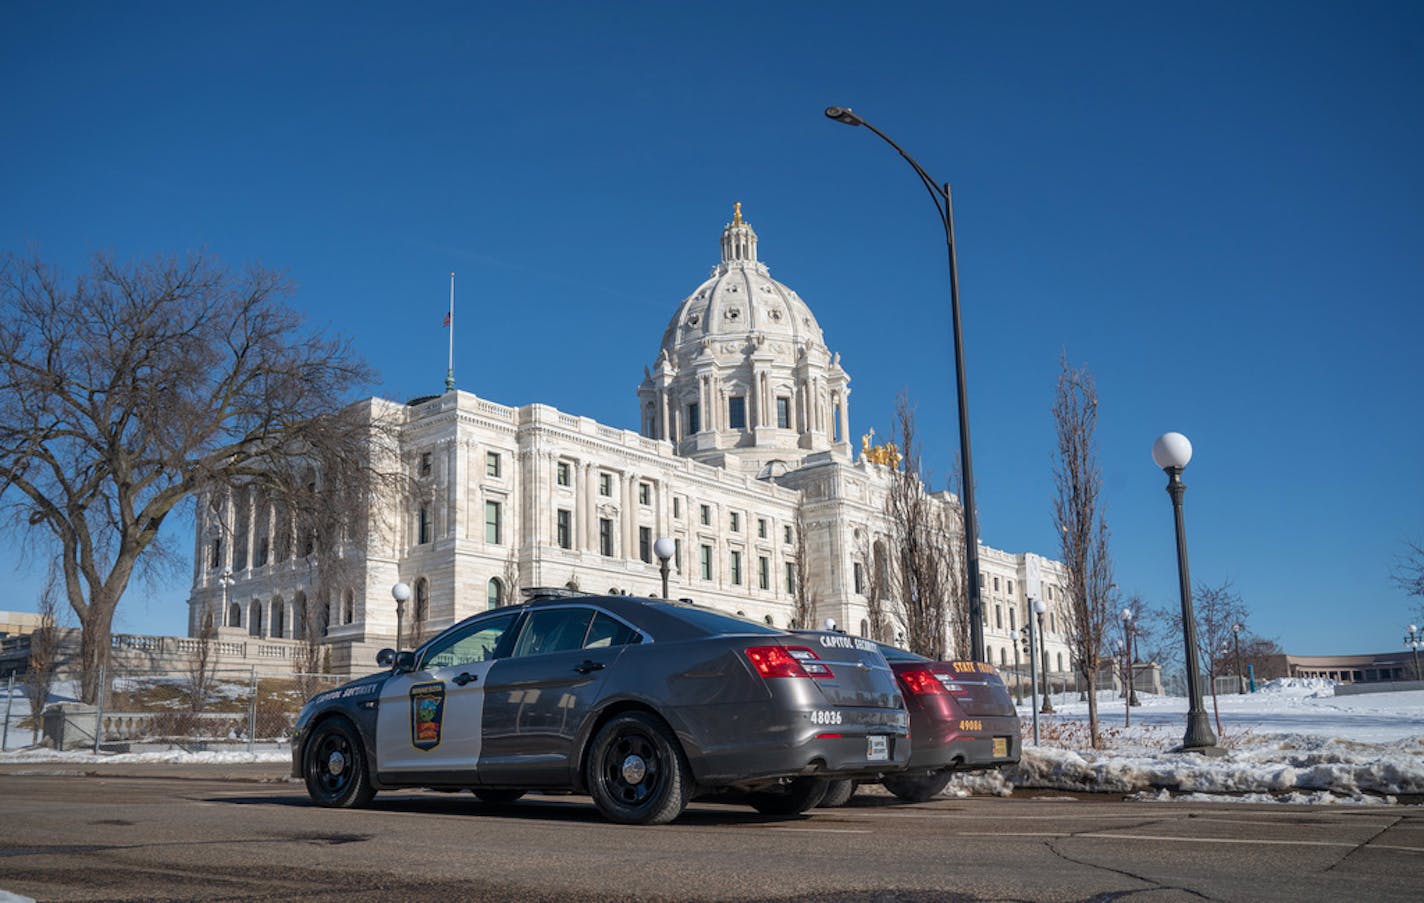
1039,607
1236,641
1171,452
1127,632
1412,642
664,548
944,206
1032,651
1018,682
401,593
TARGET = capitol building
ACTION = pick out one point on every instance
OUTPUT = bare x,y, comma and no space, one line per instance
744,434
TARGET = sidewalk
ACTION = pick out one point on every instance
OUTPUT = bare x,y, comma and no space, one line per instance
251,772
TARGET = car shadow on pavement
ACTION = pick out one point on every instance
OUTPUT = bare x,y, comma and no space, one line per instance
535,807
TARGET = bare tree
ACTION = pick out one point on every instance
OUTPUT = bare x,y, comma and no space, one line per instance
140,386
871,554
202,666
806,597
1217,609
1078,513
1408,572
511,576
920,545
44,650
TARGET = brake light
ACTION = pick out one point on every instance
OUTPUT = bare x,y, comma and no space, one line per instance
775,661
921,682
810,662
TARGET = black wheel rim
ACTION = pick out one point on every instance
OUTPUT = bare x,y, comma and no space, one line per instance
618,774
330,745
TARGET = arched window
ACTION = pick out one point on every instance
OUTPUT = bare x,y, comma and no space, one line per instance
1003,656
234,615
348,608
254,619
300,616
864,627
1060,661
496,593
278,617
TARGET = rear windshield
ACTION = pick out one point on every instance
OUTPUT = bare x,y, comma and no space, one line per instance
893,654
717,624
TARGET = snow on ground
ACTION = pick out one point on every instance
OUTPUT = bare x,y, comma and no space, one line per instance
1292,741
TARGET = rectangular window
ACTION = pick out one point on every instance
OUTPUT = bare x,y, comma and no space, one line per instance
791,578
705,513
996,584
262,550
736,522
677,555
216,560
561,471
492,522
563,527
645,544
645,493
736,568
1012,612
737,413
605,537
1011,587
783,413
761,528
605,484
859,577
786,536
423,530
694,419
491,464
998,617
763,572
706,552
677,506
425,464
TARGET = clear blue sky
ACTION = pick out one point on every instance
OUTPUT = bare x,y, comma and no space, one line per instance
1215,207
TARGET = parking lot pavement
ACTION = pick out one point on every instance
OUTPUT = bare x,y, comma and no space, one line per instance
259,772
248,834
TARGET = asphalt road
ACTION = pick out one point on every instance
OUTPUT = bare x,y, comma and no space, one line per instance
175,836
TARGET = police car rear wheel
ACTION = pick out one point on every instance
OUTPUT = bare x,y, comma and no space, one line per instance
636,773
792,799
920,788
838,794
336,767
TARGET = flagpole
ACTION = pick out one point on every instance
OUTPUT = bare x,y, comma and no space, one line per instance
450,373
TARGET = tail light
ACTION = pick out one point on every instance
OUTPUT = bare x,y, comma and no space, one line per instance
922,682
810,662
775,661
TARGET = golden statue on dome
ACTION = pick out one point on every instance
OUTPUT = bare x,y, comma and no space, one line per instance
886,455
737,213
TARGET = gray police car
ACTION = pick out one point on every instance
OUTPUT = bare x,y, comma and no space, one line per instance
641,703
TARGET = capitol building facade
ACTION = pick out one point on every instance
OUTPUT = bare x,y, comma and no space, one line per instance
743,445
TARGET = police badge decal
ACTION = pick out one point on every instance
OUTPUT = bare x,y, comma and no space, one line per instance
427,710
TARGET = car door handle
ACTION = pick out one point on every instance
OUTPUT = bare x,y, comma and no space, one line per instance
464,678
589,665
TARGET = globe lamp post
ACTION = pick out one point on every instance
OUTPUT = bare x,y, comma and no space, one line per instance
401,593
1412,641
1171,452
664,549
1014,637
1039,607
1127,635
944,206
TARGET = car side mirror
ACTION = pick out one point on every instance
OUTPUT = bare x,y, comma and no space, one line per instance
386,657
405,661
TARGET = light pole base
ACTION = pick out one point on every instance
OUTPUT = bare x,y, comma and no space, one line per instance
1211,752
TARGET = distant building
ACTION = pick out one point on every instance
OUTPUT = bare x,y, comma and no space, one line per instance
744,418
19,623
1383,666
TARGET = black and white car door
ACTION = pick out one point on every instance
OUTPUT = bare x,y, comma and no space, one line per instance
430,719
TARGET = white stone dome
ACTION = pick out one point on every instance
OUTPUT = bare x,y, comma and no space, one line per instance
739,300
743,377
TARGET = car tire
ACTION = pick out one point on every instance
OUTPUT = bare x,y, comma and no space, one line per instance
792,799
636,773
496,796
335,767
920,788
838,794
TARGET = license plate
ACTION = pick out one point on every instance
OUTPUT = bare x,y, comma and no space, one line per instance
1001,747
877,747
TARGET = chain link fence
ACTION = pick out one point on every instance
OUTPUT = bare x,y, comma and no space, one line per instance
219,709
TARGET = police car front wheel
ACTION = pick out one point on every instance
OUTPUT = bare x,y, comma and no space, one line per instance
336,767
